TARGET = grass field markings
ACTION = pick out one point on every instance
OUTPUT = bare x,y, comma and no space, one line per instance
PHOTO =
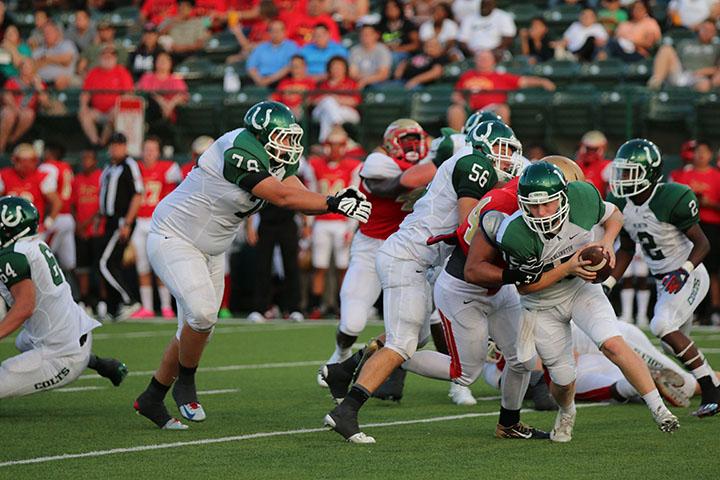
710,350
485,399
219,330
218,392
252,436
231,321
76,389
223,368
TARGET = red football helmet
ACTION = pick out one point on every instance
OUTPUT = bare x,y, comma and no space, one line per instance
405,139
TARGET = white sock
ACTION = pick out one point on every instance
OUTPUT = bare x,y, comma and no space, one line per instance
643,300
164,295
340,354
570,409
625,389
146,297
652,400
627,298
704,370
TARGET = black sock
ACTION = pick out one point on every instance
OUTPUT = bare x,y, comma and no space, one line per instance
350,365
710,393
93,362
156,390
186,375
314,302
508,418
356,398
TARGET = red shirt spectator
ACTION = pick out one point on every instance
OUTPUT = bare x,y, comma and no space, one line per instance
290,89
478,82
209,8
344,85
704,180
117,79
301,22
158,10
25,95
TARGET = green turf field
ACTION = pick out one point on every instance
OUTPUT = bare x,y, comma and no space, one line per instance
265,411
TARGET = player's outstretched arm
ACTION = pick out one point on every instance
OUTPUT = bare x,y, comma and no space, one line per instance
418,175
24,294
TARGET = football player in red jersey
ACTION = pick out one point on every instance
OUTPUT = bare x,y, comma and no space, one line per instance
23,179
159,177
61,234
331,232
591,159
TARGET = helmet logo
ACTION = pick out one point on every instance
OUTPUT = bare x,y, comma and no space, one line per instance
8,218
654,162
266,121
483,137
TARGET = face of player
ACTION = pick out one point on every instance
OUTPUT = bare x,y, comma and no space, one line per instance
703,156
88,161
336,149
543,210
151,152
504,152
24,164
411,144
591,154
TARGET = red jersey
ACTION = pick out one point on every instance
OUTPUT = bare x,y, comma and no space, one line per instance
85,201
159,181
597,172
478,82
33,188
331,177
64,175
387,213
704,184
185,169
112,82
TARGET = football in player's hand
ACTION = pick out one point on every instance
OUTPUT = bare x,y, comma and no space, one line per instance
600,262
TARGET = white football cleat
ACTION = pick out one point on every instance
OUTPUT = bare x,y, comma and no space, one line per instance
127,311
320,380
193,411
361,438
461,395
296,317
174,424
564,423
670,385
666,421
256,317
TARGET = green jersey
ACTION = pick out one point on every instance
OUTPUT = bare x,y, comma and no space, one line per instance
207,208
658,225
522,246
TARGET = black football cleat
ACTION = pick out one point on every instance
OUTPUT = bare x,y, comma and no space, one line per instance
344,421
338,380
392,389
521,431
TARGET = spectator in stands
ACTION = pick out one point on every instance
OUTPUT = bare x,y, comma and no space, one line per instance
591,159
156,11
491,29
535,42
464,8
424,67
635,39
143,58
214,11
167,90
12,51
585,38
441,26
611,15
348,12
257,31
370,61
691,13
56,59
704,179
112,80
318,52
20,101
188,34
82,32
292,89
300,23
398,33
270,60
689,63
36,37
105,36
5,20
487,88
243,13
337,103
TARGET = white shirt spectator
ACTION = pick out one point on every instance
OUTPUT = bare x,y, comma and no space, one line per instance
465,8
577,34
486,33
692,12
448,31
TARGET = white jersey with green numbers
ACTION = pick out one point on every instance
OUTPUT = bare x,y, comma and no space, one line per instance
57,322
658,225
522,246
463,175
207,208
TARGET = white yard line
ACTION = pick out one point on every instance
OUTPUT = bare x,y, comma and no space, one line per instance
218,392
250,436
223,368
251,328
77,389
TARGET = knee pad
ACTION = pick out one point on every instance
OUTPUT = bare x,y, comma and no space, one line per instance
562,373
203,318
353,318
661,326
404,347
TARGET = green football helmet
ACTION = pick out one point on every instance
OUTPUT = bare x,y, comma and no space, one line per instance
274,125
18,218
479,117
497,141
637,167
540,183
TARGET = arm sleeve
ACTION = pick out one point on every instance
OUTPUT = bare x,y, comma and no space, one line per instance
379,166
609,210
14,267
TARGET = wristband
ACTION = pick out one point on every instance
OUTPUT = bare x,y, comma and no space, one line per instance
610,283
332,204
688,266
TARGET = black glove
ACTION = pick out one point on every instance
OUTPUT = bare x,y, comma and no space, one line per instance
675,280
351,203
524,275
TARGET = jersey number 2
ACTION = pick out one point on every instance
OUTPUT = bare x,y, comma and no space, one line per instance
55,272
648,244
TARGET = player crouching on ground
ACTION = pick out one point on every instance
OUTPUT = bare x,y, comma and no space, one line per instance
551,228
56,339
195,225
663,219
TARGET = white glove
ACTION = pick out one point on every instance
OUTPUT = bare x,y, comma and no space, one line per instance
350,202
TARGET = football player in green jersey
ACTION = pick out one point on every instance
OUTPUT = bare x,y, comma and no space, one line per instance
663,218
555,222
